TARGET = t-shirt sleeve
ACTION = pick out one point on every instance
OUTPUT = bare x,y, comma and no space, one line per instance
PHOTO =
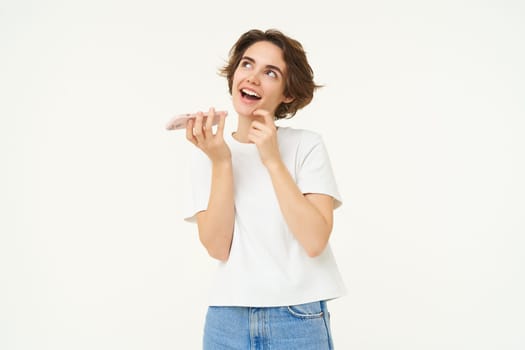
315,173
200,180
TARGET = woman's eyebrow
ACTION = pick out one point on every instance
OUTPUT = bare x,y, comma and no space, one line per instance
248,58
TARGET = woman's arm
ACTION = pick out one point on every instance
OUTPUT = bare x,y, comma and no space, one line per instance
216,222
310,216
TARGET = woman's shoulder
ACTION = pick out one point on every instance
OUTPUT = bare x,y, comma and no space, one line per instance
300,135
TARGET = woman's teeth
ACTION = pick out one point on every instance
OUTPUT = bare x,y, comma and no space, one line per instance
250,93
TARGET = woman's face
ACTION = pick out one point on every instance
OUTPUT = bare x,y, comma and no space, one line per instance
259,79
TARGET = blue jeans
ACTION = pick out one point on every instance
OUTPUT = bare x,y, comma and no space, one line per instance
304,327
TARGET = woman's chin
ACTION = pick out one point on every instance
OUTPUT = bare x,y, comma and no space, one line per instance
245,111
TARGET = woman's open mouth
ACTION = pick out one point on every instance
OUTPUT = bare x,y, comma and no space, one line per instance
250,95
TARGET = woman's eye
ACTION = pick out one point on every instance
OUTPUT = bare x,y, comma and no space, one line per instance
246,64
272,74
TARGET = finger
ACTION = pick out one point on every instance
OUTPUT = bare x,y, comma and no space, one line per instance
267,129
189,131
267,117
209,119
252,138
222,122
257,125
255,135
198,127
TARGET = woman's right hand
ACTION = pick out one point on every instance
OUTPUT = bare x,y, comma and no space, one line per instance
199,132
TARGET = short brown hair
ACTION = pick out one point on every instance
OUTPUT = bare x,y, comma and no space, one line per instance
299,82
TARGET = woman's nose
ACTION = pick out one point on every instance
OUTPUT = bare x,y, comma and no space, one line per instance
253,78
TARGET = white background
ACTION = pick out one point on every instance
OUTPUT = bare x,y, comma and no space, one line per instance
423,114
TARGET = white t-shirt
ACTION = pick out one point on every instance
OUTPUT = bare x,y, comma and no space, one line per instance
267,266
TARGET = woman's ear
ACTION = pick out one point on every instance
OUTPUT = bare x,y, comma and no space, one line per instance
288,99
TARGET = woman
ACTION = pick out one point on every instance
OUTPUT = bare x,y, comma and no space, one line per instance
263,199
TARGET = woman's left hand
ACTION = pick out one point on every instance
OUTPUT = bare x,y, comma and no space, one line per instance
264,135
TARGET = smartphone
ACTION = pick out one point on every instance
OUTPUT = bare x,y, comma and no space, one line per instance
179,121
